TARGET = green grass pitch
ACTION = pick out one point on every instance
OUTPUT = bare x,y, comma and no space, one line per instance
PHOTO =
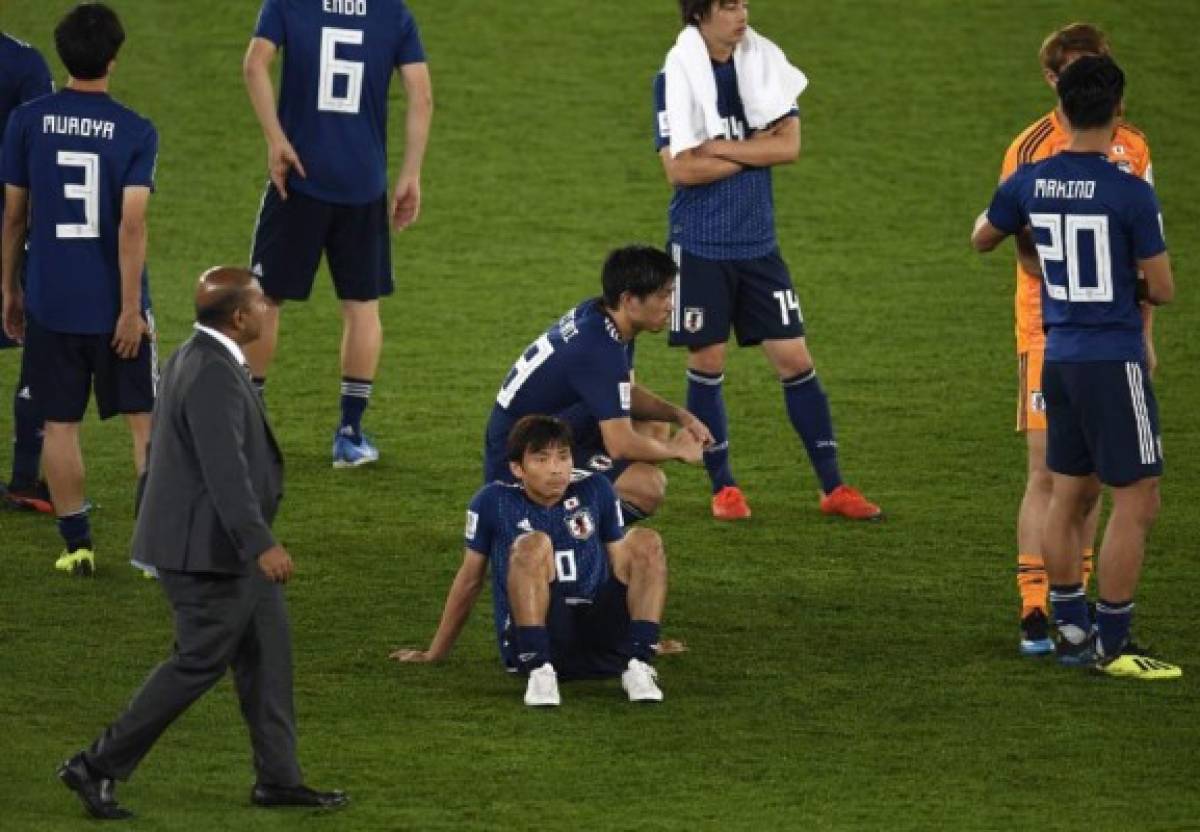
840,676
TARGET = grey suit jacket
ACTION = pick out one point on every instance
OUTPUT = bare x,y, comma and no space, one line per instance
214,473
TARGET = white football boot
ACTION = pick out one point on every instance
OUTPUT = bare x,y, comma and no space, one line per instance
640,681
542,689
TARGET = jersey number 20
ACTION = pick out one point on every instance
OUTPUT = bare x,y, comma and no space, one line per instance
1070,226
332,68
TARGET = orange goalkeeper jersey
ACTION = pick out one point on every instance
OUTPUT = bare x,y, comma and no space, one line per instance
1044,138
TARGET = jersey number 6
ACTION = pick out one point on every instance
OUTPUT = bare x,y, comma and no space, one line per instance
332,68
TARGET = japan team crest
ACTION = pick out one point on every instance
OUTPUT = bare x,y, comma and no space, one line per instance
1037,402
571,503
693,318
580,524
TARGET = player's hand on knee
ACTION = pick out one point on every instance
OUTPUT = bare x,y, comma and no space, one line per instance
276,564
687,447
697,428
409,655
127,337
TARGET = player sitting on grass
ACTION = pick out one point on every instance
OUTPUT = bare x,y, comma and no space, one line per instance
574,595
1094,227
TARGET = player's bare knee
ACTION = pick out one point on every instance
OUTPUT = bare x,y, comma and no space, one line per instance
647,552
653,490
710,359
531,552
1039,480
1150,503
793,366
643,486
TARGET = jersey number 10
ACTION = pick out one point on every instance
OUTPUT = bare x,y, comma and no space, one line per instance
1071,226
332,68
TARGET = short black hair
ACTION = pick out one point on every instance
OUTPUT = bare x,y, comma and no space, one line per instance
1090,90
639,270
88,39
693,11
534,433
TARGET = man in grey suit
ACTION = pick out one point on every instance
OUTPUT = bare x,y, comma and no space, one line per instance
213,483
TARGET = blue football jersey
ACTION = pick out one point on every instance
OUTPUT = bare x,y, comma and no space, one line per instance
580,525
1092,222
76,152
734,218
338,60
24,76
580,359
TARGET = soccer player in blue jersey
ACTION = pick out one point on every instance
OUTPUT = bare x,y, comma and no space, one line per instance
731,273
1093,226
327,157
574,595
24,76
79,169
581,370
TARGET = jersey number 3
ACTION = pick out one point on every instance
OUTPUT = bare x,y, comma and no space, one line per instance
1071,226
333,68
88,192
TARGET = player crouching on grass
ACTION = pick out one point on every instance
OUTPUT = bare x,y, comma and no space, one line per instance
574,595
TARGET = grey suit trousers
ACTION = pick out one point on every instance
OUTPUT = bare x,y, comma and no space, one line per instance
221,621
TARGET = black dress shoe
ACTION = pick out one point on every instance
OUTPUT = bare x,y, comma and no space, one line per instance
98,794
264,795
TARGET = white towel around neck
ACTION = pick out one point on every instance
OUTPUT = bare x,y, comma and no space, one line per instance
767,83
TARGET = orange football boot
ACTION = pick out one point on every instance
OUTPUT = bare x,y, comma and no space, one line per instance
730,504
851,504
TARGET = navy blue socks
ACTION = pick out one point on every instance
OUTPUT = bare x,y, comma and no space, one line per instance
356,393
643,635
533,646
76,531
1113,620
1071,612
808,409
706,403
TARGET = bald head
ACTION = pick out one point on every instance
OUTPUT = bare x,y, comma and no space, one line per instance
221,293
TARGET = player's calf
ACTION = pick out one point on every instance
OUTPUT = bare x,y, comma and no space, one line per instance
642,488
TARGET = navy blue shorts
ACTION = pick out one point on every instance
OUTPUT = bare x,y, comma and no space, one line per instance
588,639
1102,419
587,447
292,234
755,297
64,368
